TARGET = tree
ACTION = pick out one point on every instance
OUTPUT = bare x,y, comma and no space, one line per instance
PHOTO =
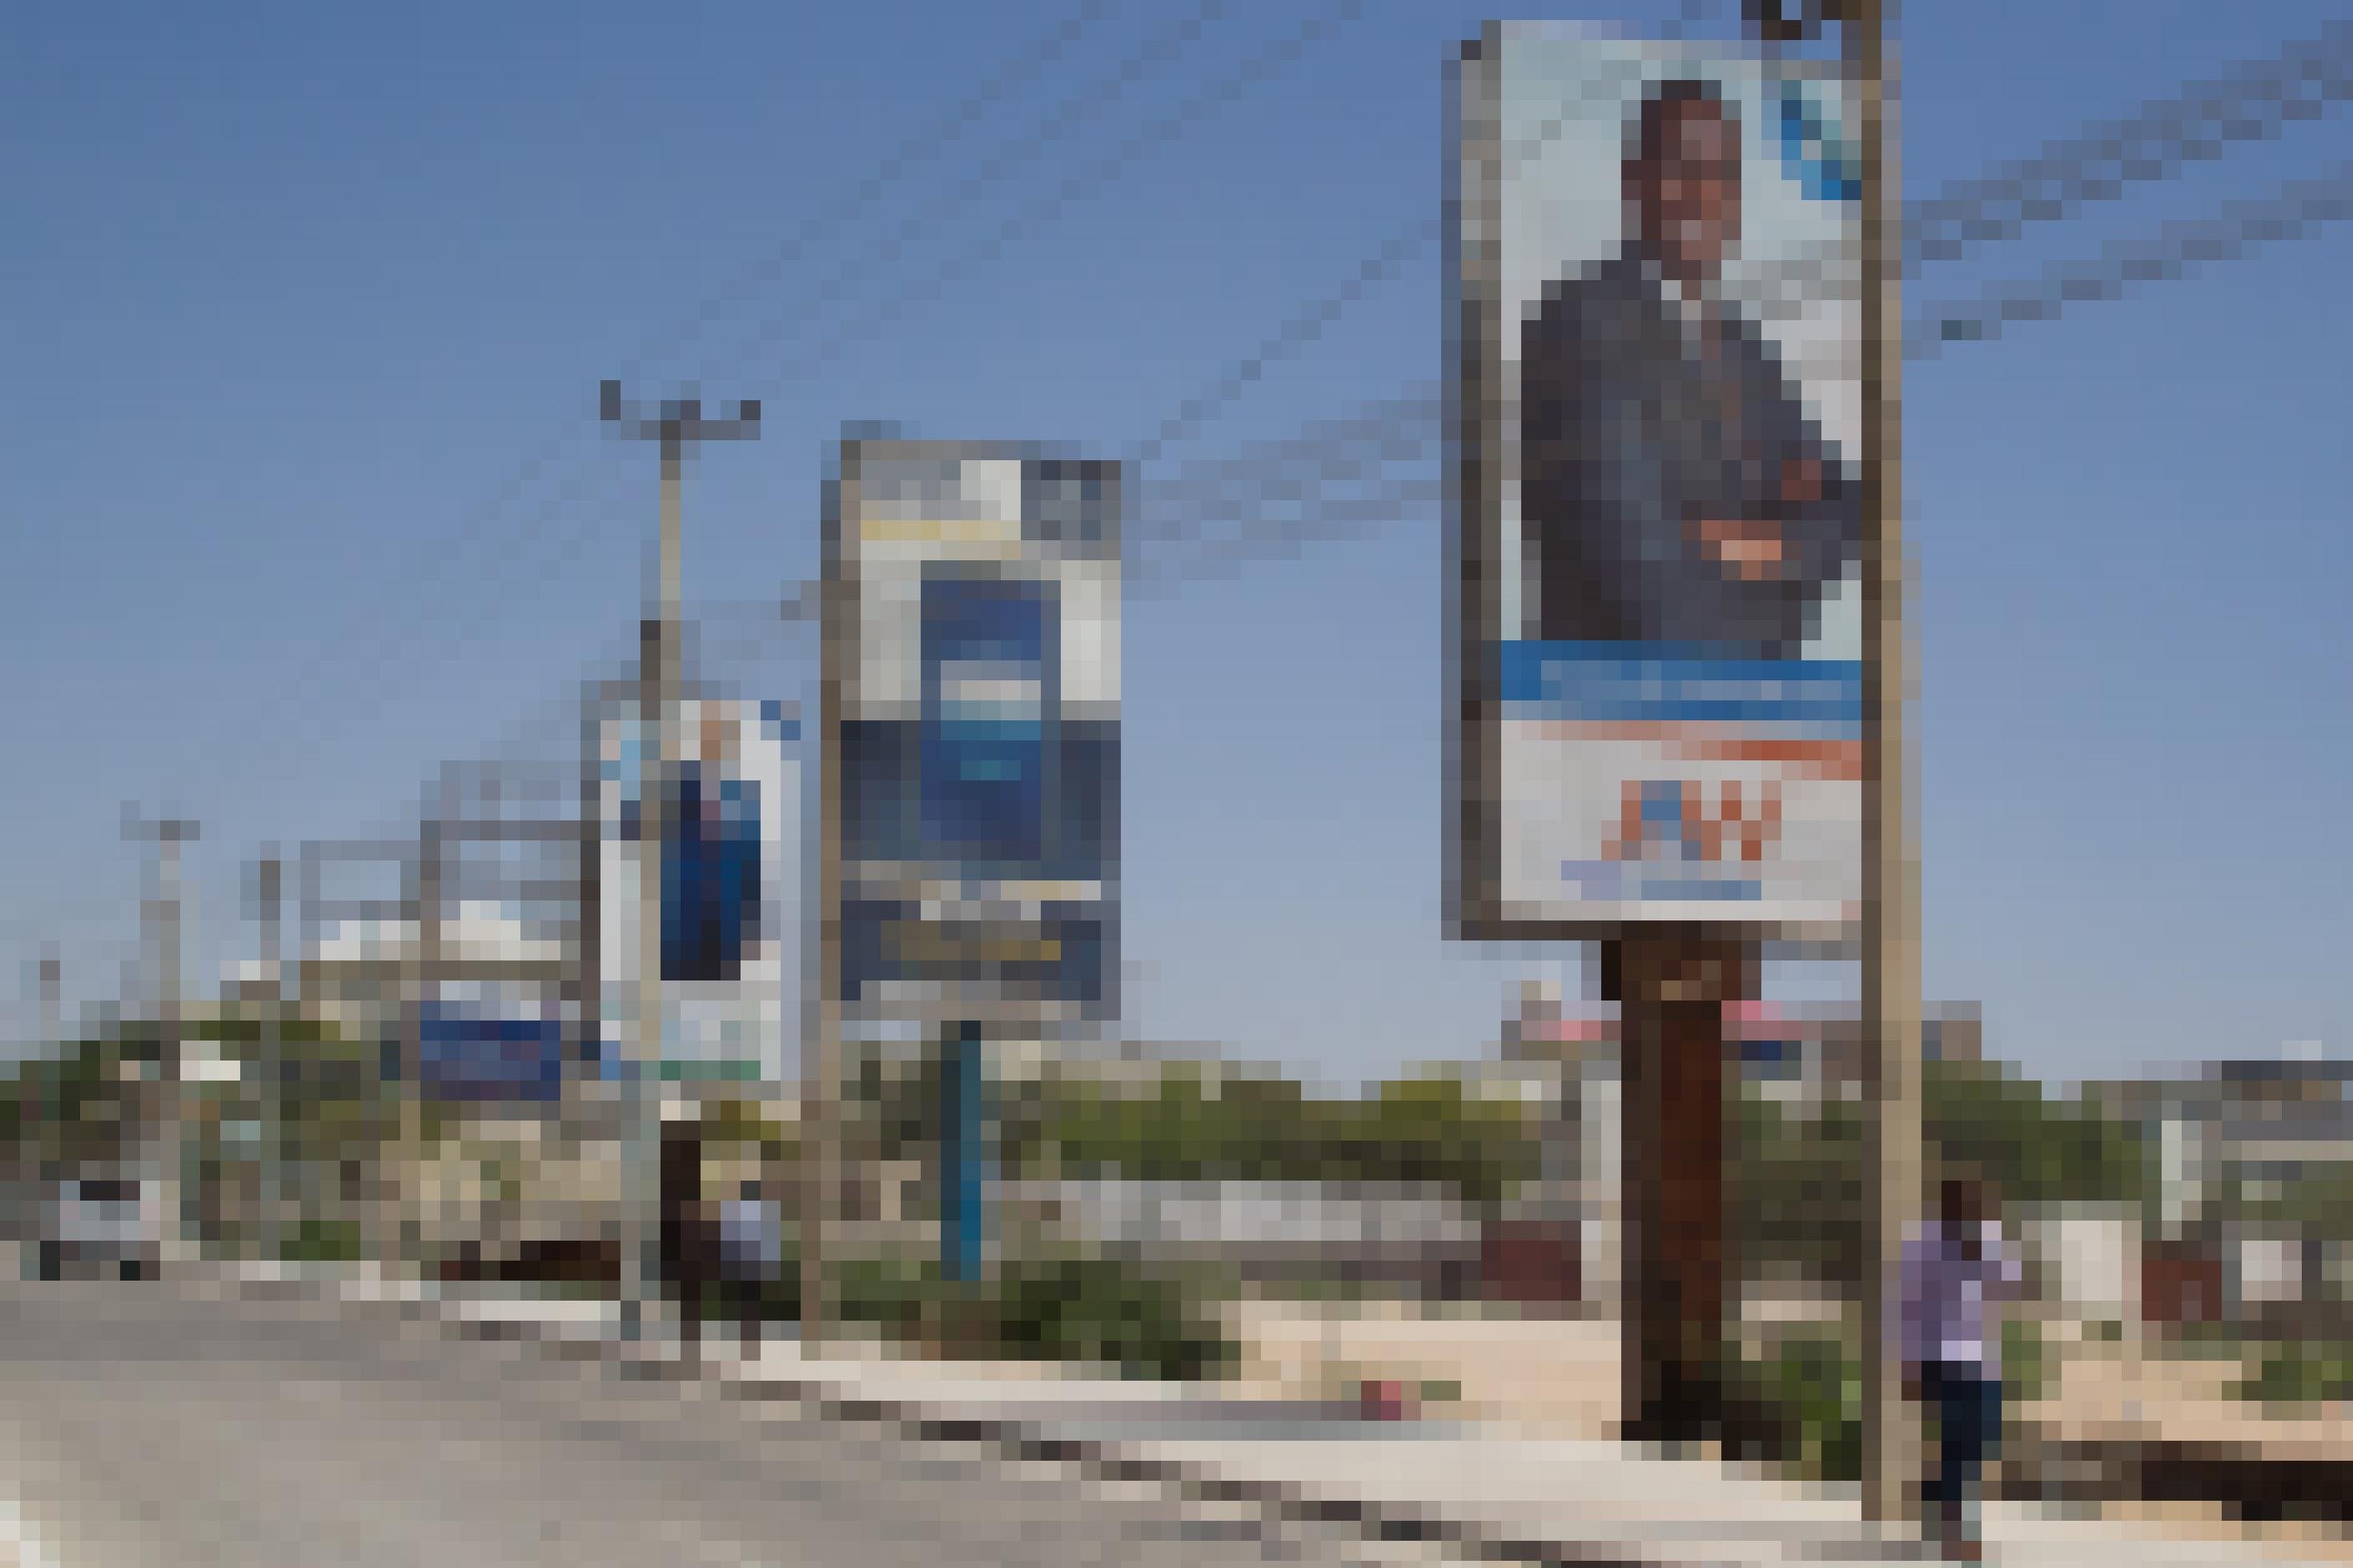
2037,1149
1798,1193
1430,1130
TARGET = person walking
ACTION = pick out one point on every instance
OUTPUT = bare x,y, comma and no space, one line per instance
751,1253
1954,1269
690,1262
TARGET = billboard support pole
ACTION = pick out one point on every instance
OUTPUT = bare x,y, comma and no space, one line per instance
1891,948
1672,985
963,1081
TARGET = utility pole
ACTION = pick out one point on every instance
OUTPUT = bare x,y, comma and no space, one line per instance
160,917
428,968
1890,890
678,426
269,893
1891,961
51,986
821,1050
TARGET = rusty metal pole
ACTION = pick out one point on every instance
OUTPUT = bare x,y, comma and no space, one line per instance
1672,985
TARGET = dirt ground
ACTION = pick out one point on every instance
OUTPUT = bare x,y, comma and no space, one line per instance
1558,1378
1554,1378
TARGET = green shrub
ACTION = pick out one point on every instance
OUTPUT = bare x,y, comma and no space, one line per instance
2025,1361
2301,1374
1806,1397
2205,1342
1101,1310
1098,1310
888,1293
323,1241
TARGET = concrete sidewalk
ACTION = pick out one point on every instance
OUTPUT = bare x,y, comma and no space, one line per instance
1482,1490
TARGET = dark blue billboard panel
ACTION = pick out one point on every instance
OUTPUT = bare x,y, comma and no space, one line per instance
882,804
976,738
710,877
473,1055
990,659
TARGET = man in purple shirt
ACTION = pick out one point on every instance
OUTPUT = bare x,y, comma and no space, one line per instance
1951,1346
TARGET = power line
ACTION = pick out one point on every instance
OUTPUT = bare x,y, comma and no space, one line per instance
926,144
1261,68
1296,333
1307,326
2093,166
2291,212
2294,211
2302,81
1014,75
1076,111
1131,71
1962,210
2299,83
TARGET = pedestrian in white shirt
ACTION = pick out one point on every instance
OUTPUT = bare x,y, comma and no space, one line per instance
1954,1269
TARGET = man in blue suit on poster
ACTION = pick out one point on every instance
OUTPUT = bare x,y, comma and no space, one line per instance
1673,487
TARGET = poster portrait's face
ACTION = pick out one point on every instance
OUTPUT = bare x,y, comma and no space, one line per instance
1683,186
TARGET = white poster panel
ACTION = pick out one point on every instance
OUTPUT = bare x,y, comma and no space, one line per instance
733,837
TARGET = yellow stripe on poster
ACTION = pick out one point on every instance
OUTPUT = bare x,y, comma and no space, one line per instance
919,945
941,531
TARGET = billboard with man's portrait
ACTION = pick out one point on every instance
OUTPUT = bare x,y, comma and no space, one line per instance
1658,503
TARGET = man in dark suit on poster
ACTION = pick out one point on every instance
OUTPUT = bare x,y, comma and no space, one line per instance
1673,487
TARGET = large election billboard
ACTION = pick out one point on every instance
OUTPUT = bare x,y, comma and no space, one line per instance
978,692
1657,496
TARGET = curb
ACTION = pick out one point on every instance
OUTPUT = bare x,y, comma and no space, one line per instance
1017,1436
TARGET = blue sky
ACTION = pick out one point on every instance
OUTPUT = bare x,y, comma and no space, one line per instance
294,295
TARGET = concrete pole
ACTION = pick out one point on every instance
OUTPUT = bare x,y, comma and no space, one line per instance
270,890
680,425
821,1050
162,918
1891,945
641,1257
52,977
174,1048
431,956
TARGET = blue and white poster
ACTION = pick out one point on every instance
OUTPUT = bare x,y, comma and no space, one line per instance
731,817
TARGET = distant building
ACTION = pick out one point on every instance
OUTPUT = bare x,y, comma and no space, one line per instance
1808,1055
2228,1134
2240,1126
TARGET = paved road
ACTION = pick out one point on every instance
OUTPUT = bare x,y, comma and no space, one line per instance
142,1427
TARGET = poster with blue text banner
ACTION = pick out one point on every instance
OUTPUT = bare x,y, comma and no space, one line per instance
1656,513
